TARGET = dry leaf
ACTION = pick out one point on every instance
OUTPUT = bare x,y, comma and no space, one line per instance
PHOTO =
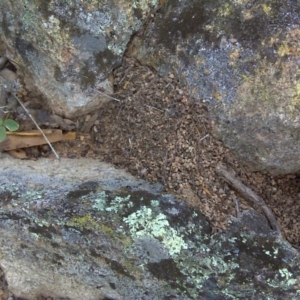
18,153
206,191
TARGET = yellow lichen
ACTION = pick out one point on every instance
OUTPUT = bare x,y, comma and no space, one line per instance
225,10
85,222
266,8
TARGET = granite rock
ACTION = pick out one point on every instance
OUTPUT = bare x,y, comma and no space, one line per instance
240,58
80,229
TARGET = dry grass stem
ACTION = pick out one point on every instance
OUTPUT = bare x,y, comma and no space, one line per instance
110,97
207,135
37,126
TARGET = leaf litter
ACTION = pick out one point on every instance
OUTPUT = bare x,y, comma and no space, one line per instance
159,133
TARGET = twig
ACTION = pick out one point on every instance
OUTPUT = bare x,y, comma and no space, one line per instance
37,126
118,100
2,109
164,171
238,215
152,107
250,195
88,125
207,135
110,97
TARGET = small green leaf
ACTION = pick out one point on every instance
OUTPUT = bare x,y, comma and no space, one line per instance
1,121
11,125
2,133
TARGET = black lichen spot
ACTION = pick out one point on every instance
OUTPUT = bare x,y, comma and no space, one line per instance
87,78
43,231
100,251
5,26
16,217
179,214
57,259
138,13
82,231
167,270
76,195
55,245
25,49
95,254
105,60
43,7
210,20
89,185
112,285
169,297
178,25
5,197
115,266
23,246
255,254
58,75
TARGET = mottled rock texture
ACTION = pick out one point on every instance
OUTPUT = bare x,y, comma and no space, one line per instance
69,48
78,229
239,57
242,59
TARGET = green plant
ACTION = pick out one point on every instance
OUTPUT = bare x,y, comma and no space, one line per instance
7,124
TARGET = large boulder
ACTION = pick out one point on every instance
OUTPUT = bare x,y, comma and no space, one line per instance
69,48
81,229
242,59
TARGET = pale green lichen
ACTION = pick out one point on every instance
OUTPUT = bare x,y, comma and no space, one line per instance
40,223
100,201
284,273
144,4
119,203
144,223
154,203
199,270
35,235
282,280
28,197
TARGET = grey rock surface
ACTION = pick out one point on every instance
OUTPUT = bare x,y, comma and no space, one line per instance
241,58
69,48
81,229
8,87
